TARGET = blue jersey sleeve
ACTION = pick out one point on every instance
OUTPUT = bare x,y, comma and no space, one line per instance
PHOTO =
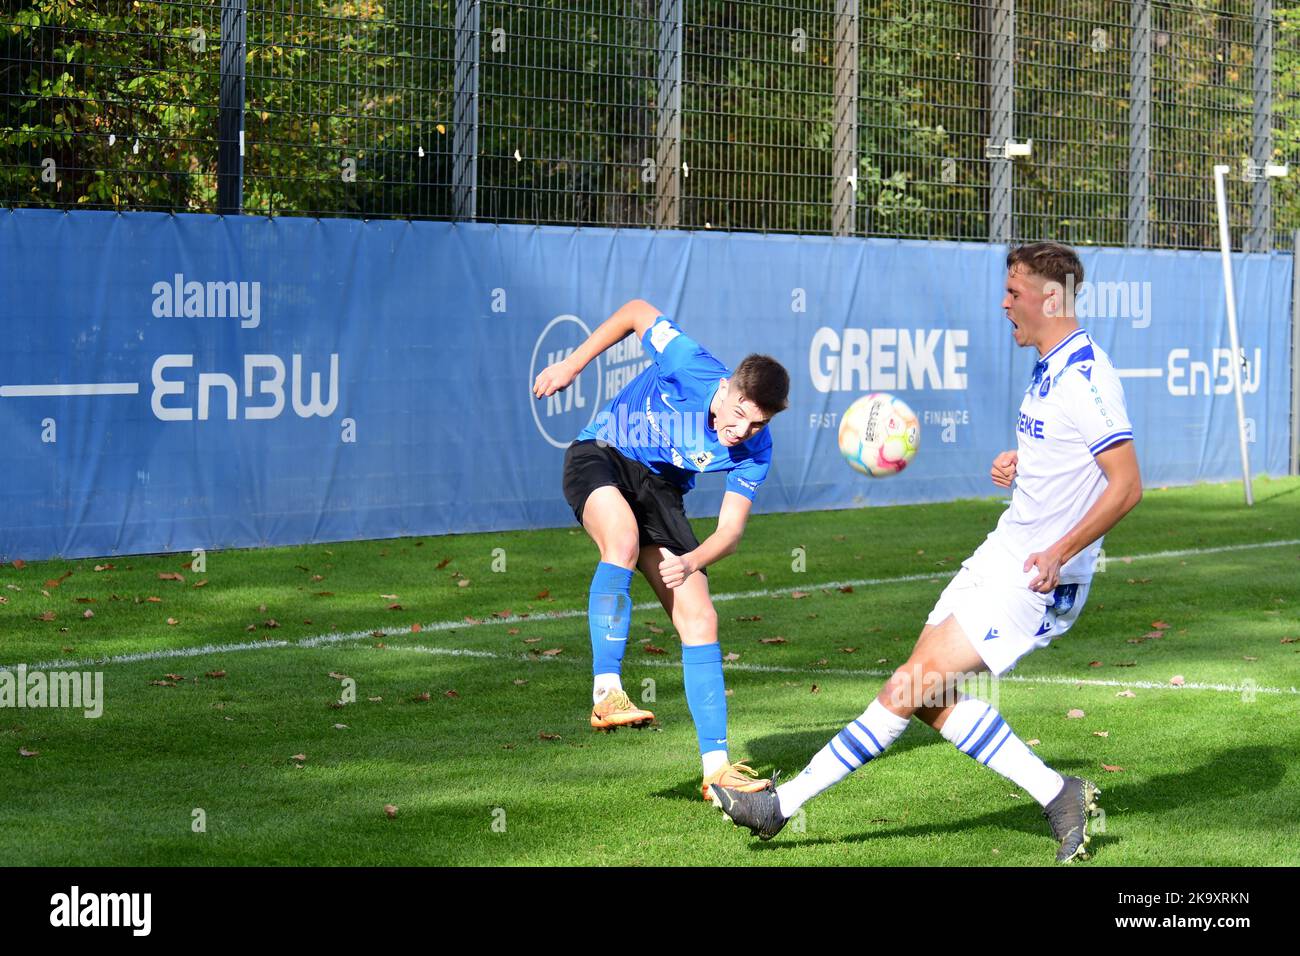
671,348
749,473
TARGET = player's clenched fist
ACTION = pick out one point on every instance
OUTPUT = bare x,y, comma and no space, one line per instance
674,569
1004,469
554,378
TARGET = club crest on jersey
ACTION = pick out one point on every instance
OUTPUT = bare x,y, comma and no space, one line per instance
702,459
992,634
1045,387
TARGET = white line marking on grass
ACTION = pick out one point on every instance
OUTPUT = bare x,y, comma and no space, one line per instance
847,672
335,638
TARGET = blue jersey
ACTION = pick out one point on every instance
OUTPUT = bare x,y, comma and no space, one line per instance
661,417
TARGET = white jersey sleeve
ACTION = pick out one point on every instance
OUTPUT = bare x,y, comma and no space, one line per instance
1092,399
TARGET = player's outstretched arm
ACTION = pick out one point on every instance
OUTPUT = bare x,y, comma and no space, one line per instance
674,569
1123,491
635,316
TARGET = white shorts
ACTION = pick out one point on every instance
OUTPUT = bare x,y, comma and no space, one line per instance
1004,622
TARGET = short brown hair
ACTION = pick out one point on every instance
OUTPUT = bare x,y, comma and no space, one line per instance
1051,260
764,381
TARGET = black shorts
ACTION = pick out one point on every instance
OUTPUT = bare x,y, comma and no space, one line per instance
655,501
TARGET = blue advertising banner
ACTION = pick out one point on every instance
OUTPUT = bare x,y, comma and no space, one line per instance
175,382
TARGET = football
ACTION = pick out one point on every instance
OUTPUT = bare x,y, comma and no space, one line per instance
879,434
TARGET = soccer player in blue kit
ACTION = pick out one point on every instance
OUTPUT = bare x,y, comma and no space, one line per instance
1074,475
624,476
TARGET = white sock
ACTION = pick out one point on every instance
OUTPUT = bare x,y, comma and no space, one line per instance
979,731
602,684
714,761
860,741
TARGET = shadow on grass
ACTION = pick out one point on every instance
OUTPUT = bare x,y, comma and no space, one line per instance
1227,775
791,752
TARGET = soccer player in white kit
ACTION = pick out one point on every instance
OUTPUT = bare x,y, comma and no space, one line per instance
1074,475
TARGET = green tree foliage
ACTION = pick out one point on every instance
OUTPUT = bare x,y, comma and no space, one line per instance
350,110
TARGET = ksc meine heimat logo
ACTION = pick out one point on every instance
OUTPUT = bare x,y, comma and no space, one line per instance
561,416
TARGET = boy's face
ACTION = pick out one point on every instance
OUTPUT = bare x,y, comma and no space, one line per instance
1030,307
736,418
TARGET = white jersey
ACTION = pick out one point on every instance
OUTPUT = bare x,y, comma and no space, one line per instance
1072,411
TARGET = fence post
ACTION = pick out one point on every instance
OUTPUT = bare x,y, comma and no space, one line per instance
668,131
1139,125
230,115
844,157
1260,237
1001,117
464,122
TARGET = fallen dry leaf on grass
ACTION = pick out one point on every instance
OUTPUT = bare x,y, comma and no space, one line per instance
442,564
797,595
654,628
512,630
815,689
394,607
532,640
46,616
87,613
338,675
23,751
463,583
19,563
553,652
731,656
1034,742
163,683
170,620
390,811
423,696
1177,680
452,694
299,757
730,691
153,600
652,649
848,650
170,576
215,675
847,589
543,735
520,682
389,597
1112,768
1126,693
1101,733
1075,714
103,567
772,640
750,617
416,628
543,594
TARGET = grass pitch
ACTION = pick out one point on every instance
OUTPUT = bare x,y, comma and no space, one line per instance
474,727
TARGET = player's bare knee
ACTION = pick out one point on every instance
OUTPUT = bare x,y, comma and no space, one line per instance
696,625
621,549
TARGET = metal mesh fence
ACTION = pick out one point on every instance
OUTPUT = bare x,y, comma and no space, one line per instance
848,117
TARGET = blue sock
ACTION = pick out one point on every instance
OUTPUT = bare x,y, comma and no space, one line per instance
706,694
609,616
